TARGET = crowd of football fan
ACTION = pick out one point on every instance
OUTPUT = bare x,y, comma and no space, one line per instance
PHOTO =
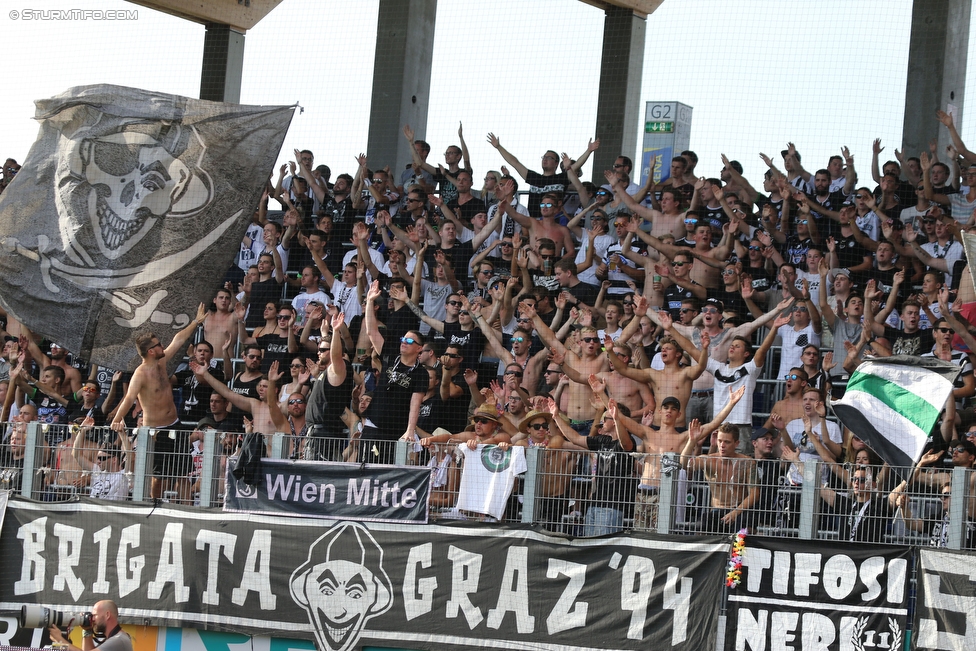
546,311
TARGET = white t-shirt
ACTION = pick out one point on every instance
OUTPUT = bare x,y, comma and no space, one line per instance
806,450
375,256
302,300
248,255
794,341
109,485
487,478
601,244
729,379
346,299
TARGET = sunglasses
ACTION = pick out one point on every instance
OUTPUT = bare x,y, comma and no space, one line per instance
546,205
685,310
554,370
323,350
506,244
754,248
408,340
940,329
482,420
464,313
283,317
518,340
451,355
454,303
591,340
102,457
800,308
538,426
302,365
377,180
709,310
801,221
960,450
628,302
602,193
728,272
946,496
859,480
296,402
791,376
679,264
514,373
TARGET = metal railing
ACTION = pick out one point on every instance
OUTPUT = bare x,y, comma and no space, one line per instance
574,492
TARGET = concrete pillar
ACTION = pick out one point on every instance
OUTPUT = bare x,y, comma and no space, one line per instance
223,64
937,58
618,107
401,80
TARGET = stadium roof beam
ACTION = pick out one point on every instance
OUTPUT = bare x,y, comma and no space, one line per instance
640,7
226,22
621,72
936,77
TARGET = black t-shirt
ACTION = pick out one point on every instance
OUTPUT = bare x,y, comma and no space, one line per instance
472,342
275,349
762,280
732,301
615,481
460,256
262,293
248,389
196,396
539,280
539,185
466,212
849,252
674,294
398,323
325,402
916,343
391,401
446,189
795,250
869,523
584,292
342,218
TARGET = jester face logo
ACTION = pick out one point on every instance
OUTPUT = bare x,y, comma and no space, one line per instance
342,585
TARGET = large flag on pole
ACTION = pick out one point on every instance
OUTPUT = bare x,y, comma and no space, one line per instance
128,211
892,404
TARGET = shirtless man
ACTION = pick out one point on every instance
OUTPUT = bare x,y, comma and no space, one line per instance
667,220
257,407
545,227
711,324
791,406
658,441
150,383
59,357
222,324
636,395
732,479
703,274
674,380
589,362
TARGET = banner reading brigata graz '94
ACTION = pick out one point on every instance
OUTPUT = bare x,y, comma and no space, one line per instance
346,584
828,597
128,211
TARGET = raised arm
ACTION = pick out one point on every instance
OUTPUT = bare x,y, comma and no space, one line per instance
946,119
509,158
242,402
176,347
274,409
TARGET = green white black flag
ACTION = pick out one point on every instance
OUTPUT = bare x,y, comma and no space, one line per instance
892,404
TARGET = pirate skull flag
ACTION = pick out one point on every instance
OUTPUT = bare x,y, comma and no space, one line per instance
128,211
